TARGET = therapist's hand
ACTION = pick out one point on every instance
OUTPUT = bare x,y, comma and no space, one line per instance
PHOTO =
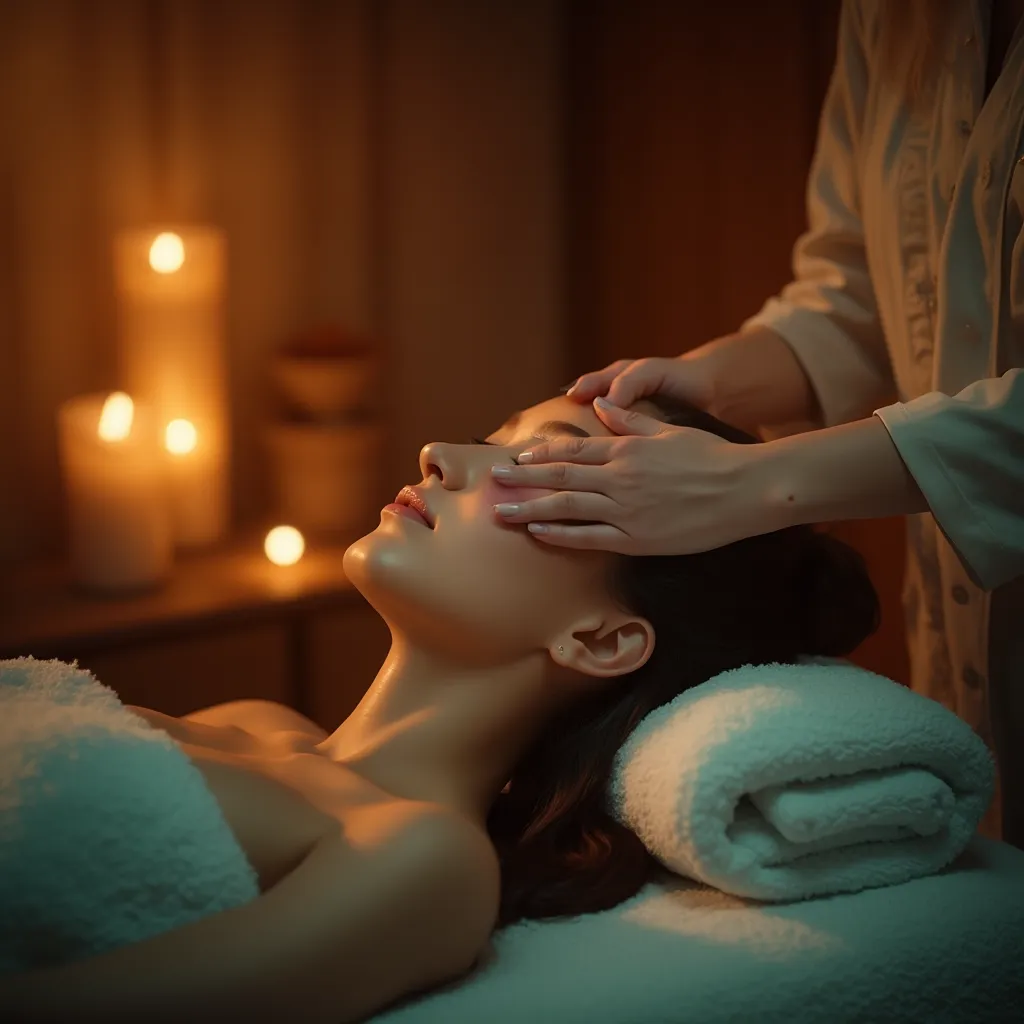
661,490
689,377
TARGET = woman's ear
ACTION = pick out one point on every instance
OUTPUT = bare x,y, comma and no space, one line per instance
614,646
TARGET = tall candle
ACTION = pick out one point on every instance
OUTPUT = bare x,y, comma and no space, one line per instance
170,297
119,523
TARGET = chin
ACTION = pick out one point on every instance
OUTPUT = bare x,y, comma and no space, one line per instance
366,564
427,608
383,569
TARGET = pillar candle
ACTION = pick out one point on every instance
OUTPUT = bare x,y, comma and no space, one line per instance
118,518
170,299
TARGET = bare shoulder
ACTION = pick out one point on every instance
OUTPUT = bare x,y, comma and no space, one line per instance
258,717
453,858
414,889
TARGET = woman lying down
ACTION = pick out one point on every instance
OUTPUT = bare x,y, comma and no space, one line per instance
389,850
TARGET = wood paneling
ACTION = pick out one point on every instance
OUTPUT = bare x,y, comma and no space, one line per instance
471,257
692,128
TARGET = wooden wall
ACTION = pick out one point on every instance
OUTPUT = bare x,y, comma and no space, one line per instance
391,165
691,130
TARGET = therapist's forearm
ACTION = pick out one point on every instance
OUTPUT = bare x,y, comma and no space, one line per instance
850,471
759,382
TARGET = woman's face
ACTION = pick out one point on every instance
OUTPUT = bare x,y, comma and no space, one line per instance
472,586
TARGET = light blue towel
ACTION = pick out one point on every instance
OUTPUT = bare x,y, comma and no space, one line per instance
108,833
782,782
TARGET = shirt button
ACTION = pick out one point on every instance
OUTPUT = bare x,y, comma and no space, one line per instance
973,679
986,174
960,594
964,127
968,39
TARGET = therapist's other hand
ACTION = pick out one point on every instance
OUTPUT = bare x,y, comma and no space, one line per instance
661,490
688,377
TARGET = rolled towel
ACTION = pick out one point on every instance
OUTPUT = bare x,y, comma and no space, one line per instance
782,782
108,832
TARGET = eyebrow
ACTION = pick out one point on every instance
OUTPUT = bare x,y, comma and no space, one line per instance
547,427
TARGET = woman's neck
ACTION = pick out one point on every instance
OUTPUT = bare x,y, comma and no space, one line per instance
432,731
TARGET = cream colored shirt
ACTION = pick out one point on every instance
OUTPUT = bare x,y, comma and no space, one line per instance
909,283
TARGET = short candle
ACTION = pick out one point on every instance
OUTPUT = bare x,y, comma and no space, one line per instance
118,519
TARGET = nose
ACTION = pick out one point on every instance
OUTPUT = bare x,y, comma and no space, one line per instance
439,459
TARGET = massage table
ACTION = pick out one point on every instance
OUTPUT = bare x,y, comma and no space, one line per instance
943,949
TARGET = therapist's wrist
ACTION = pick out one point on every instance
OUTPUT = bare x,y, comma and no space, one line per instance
850,471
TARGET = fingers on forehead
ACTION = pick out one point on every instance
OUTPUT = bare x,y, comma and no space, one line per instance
647,408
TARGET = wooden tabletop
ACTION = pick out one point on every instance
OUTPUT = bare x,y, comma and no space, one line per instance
42,612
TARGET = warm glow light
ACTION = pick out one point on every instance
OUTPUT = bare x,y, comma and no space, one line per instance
284,545
116,418
167,253
180,437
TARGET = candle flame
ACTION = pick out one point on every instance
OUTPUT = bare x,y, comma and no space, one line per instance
284,545
116,417
167,253
180,437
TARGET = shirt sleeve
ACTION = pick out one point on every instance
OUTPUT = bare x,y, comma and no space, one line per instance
967,455
828,313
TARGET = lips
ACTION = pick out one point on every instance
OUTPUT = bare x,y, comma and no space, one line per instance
411,498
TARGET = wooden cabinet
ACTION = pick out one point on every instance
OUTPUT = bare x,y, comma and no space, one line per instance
227,626
179,674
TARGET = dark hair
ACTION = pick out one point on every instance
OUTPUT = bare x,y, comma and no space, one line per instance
769,598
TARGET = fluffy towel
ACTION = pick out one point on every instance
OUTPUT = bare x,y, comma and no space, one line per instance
108,832
782,782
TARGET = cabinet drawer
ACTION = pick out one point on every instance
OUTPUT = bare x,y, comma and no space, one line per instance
178,675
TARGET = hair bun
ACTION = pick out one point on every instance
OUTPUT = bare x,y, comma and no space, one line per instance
842,604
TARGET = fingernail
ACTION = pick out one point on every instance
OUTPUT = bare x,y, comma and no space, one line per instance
570,387
507,509
604,403
524,457
501,471
537,527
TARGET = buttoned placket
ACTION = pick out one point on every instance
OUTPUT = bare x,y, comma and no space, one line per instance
965,109
966,98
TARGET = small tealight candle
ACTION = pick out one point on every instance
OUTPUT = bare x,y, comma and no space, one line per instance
119,522
284,545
